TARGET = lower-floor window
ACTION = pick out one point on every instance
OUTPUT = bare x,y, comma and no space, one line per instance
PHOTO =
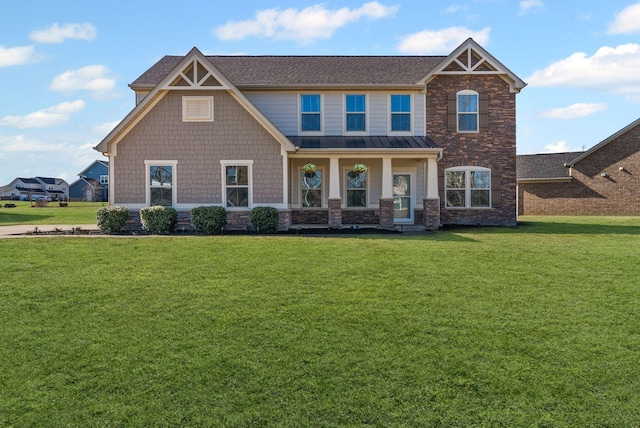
311,185
356,189
161,183
468,187
237,184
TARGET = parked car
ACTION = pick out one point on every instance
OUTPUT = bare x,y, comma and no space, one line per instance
40,198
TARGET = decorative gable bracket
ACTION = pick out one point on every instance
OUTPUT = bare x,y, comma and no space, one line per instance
196,75
471,58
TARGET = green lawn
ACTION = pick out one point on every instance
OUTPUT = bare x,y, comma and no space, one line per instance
53,213
537,325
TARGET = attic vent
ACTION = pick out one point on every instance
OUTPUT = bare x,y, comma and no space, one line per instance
197,109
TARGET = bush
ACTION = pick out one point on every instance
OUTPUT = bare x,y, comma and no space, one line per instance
209,220
265,219
159,219
112,219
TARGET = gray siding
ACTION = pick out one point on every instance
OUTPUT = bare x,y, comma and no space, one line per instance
282,110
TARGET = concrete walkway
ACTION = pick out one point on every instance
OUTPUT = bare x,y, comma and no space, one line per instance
41,229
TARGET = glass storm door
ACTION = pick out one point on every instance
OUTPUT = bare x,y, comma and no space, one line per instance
402,209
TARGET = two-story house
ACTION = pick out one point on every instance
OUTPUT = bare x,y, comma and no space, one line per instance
93,184
328,140
54,189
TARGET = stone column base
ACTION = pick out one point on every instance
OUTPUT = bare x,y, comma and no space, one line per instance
387,214
335,213
432,214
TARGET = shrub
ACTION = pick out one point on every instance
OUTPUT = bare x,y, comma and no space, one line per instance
112,219
209,220
159,219
265,219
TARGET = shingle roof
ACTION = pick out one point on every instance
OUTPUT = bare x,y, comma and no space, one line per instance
381,142
544,165
244,71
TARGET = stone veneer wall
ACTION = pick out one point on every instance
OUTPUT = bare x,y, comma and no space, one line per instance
494,147
589,193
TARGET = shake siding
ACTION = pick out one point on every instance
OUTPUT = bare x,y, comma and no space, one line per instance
198,147
281,109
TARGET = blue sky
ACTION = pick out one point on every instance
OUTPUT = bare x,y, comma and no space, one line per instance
65,65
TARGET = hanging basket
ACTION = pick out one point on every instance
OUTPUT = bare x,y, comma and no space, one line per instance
359,168
309,168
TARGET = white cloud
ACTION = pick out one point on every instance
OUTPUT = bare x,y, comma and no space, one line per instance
574,110
560,147
93,78
16,56
527,6
626,21
20,143
59,33
105,128
44,118
305,26
441,41
609,69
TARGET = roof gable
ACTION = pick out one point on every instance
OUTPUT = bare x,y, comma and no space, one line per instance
193,71
604,142
471,58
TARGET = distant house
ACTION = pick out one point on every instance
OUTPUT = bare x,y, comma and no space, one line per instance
56,189
93,184
604,180
327,140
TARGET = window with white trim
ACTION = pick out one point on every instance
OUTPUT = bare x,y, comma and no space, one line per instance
356,189
161,183
467,111
311,188
104,179
237,183
355,112
400,108
467,187
197,109
310,113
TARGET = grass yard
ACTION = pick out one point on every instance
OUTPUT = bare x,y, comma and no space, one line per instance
27,213
531,326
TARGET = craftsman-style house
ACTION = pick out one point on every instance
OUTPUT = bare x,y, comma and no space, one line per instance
327,140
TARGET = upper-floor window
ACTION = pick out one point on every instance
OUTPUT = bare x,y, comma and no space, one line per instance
400,113
104,179
310,112
197,109
468,187
467,111
356,112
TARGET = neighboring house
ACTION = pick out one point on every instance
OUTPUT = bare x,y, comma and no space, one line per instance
56,189
93,184
604,180
436,133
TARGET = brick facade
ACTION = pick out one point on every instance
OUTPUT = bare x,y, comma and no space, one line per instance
494,147
588,192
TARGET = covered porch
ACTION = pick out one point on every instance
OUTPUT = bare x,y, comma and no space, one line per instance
383,182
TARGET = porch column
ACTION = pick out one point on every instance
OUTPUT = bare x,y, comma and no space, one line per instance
432,198
335,200
386,197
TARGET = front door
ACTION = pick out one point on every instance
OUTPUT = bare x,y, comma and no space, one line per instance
402,198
